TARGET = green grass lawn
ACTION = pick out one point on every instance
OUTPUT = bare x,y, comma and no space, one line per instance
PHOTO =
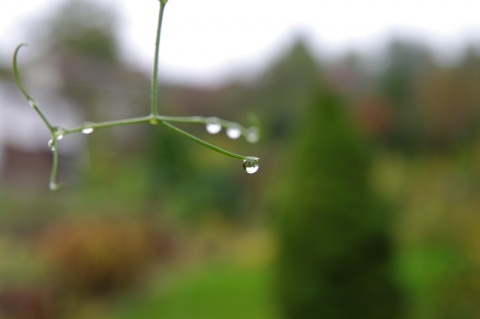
215,291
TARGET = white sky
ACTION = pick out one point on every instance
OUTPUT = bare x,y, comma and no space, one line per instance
206,40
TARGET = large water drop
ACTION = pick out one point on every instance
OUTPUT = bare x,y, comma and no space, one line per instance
251,165
213,126
233,132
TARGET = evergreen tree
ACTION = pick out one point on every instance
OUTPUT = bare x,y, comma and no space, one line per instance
335,252
406,63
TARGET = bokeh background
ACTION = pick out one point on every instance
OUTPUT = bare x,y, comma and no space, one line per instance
366,204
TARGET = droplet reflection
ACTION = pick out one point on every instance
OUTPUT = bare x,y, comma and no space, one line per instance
251,165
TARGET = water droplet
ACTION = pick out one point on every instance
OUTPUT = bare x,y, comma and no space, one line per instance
52,145
251,165
252,134
31,102
59,133
87,130
233,132
213,126
54,186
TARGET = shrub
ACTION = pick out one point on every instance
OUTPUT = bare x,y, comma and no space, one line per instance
335,248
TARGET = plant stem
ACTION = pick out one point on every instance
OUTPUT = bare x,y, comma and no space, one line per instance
54,186
153,118
154,92
148,119
165,121
202,142
22,88
135,120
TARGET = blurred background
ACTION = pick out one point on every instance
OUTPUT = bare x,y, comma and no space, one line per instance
366,204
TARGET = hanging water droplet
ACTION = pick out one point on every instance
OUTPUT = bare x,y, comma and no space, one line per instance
213,126
54,186
52,145
59,137
252,134
87,130
251,165
233,132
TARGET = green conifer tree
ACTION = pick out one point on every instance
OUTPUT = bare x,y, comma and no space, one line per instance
335,250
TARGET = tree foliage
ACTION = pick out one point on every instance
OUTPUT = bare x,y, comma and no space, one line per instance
334,232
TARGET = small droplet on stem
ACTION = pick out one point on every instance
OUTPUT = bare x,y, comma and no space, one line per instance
213,126
87,130
59,133
31,102
233,132
54,186
252,134
52,145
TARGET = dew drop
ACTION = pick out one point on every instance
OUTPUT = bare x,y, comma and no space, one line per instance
54,186
233,132
251,165
87,130
252,135
213,126
51,145
59,133
31,102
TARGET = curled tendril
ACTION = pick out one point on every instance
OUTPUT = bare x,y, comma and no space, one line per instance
57,132
54,186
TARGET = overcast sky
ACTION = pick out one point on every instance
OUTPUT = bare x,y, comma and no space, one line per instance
205,40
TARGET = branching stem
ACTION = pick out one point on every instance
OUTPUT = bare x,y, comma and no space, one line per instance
158,118
57,133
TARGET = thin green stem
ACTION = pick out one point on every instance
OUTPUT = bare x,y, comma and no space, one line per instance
22,88
202,142
99,125
154,92
199,119
165,121
148,119
54,186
